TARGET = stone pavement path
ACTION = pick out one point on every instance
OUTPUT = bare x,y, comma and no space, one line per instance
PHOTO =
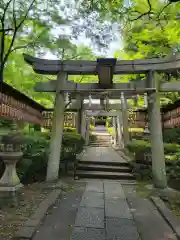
103,210
104,214
102,154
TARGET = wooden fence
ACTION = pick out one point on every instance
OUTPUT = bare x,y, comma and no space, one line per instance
15,105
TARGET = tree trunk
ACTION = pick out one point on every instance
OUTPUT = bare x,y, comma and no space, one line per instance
1,75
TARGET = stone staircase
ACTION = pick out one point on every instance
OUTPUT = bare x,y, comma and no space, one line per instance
104,170
101,140
101,162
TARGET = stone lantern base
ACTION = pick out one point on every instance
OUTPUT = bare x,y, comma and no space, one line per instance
10,183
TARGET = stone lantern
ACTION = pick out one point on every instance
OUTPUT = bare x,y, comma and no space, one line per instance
10,154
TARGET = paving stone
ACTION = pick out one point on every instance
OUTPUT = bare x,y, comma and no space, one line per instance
24,233
113,190
90,217
150,223
96,186
121,229
172,220
117,208
61,217
88,234
92,199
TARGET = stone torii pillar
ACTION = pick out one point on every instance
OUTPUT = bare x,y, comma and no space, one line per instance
83,122
79,113
114,130
120,139
157,147
57,130
125,119
87,131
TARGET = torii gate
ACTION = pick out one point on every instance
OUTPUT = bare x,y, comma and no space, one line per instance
105,69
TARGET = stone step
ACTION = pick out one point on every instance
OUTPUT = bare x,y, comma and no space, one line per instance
103,138
105,163
100,145
104,168
104,175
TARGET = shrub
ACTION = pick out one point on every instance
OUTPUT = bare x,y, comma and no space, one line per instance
69,129
111,131
72,144
34,163
172,135
141,171
91,127
35,153
145,147
144,169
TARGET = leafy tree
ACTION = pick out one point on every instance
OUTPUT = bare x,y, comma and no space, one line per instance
19,75
28,24
126,11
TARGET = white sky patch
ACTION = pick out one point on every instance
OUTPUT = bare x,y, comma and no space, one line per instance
64,30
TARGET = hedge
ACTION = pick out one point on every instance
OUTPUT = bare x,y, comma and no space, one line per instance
32,167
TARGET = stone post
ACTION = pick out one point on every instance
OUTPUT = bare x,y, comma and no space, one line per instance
125,119
157,148
79,113
87,131
56,131
114,131
74,120
120,139
83,123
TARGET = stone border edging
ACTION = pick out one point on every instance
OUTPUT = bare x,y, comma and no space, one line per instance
167,214
126,158
31,225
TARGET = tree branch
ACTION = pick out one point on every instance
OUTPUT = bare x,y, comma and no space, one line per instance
6,30
16,30
25,16
2,39
5,9
167,5
146,13
21,47
14,14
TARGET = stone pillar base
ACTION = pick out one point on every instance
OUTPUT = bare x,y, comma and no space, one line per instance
9,195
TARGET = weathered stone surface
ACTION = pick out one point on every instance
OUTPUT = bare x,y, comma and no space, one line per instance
33,223
150,224
90,217
88,234
113,190
95,187
168,215
121,229
59,222
117,208
92,199
25,233
48,202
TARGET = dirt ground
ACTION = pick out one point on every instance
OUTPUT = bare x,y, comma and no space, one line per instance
12,218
